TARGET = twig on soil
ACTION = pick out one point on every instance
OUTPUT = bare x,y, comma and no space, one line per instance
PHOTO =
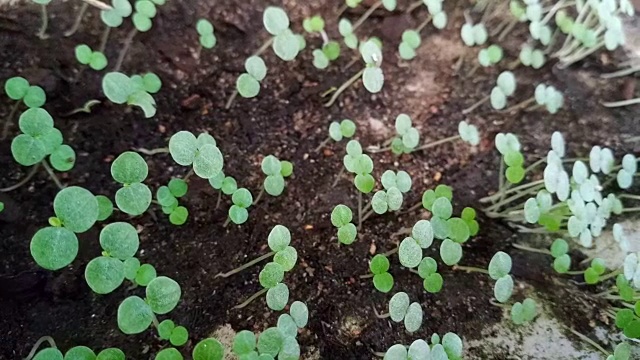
30,175
530,249
79,17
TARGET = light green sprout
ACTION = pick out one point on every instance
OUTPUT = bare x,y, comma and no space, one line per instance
360,164
499,269
248,83
601,160
242,200
372,76
509,146
130,170
548,96
18,89
627,172
506,86
167,197
540,31
208,349
341,218
135,90
401,309
523,312
226,184
407,137
428,271
114,17
348,37
275,170
145,11
95,59
344,129
450,349
202,153
473,35
382,279
532,57
391,198
439,17
330,49
469,133
135,314
490,56
286,44
272,274
410,42
622,351
206,34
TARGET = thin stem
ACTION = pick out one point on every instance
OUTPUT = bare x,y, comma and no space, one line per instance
342,9
414,207
264,46
366,15
164,150
629,196
226,222
512,198
519,106
156,323
507,30
125,49
250,300
104,39
368,276
359,209
621,103
501,179
588,341
344,87
259,196
632,209
391,252
35,347
367,215
473,70
79,17
476,105
98,4
9,121
34,170
504,306
189,175
530,249
246,266
413,6
622,72
471,269
403,231
576,272
231,99
42,33
424,23
610,275
219,199
322,144
435,143
52,175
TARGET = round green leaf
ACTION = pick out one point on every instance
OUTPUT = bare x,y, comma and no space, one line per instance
256,67
442,208
179,336
275,21
142,22
364,183
500,265
229,185
117,87
80,353
16,87
287,258
383,282
178,187
52,140
287,168
169,354
433,283
35,97
396,352
163,294
48,354
274,185
131,266
63,158
286,45
247,86
134,199
287,326
165,328
104,274
111,354
208,349
427,267
413,318
98,61
271,165
77,208
270,341
134,315
277,298
379,264
54,247
27,150
120,240
422,233
271,275
279,238
450,252
300,313
503,288
347,234
244,342
458,230
238,215
398,306
183,147
35,122
203,27
410,253
208,161
373,79
145,274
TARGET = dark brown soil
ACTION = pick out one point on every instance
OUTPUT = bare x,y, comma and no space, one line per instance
289,120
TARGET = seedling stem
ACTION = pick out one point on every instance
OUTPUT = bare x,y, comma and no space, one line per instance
476,105
125,49
424,23
9,121
52,175
247,265
366,15
42,34
35,347
438,142
34,170
530,249
261,50
343,87
471,269
79,17
250,300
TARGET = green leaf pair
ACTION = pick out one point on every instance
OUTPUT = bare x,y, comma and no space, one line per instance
177,335
242,200
523,312
322,57
372,76
473,35
348,37
130,170
401,309
344,129
167,197
360,164
135,90
505,87
248,83
499,269
95,59
227,184
562,261
276,171
145,11
490,56
79,353
548,96
450,349
382,279
410,42
206,33
115,17
202,153
428,271
135,315
18,89
407,138
532,57
341,217
286,45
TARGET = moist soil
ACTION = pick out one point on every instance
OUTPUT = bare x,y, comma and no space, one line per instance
287,119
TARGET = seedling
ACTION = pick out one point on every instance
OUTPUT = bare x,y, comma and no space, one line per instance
382,279
94,59
524,312
499,269
407,137
348,37
474,35
135,314
330,49
411,38
77,352
341,218
248,84
391,198
130,170
225,184
549,97
242,200
143,14
113,18
135,90
177,335
167,197
205,30
410,42
505,87
361,165
449,349
372,75
18,89
400,309
436,13
390,5
279,341
42,33
532,57
428,271
276,171
338,131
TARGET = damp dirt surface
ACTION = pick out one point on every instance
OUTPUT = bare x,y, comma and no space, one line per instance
287,119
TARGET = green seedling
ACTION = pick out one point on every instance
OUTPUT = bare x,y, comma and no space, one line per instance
345,28
372,75
202,153
437,14
509,146
341,218
474,35
139,274
167,197
42,33
532,57
242,200
390,5
338,131
391,198
135,314
136,90
248,84
360,164
275,170
505,87
279,341
407,137
410,42
1,206
143,13
499,269
113,18
285,43
224,184
56,246
401,309
176,335
94,59
330,50
450,349
81,13
206,35
524,312
382,279
549,97
488,57
428,271
18,89
75,353
621,352
130,170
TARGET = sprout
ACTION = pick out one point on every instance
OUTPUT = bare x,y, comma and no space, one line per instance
509,146
276,171
242,200
428,271
382,279
469,133
167,197
407,138
601,160
410,42
549,97
499,269
400,309
248,84
285,43
19,89
541,32
360,164
628,171
372,76
391,198
206,34
503,288
344,129
330,49
348,37
473,35
201,152
532,57
523,312
341,218
208,349
145,10
114,17
506,86
130,170
42,33
490,56
86,56
135,90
